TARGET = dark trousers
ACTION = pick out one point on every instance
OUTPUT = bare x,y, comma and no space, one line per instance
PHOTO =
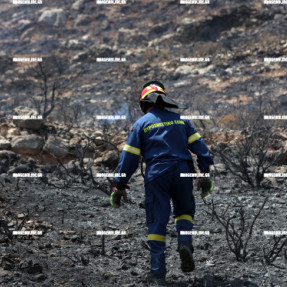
158,193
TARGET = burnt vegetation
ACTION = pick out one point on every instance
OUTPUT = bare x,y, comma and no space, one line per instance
248,157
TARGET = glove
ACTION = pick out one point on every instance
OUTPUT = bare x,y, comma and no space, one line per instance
116,197
206,186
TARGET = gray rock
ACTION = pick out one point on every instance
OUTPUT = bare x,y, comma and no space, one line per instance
56,146
31,144
4,144
110,158
32,124
78,5
54,17
3,272
83,20
184,70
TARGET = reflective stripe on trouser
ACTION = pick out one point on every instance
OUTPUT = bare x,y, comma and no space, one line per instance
157,205
183,223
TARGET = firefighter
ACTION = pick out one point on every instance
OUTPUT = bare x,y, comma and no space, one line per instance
165,142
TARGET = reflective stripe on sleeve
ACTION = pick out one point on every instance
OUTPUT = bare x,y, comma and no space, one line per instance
184,217
132,149
156,237
193,138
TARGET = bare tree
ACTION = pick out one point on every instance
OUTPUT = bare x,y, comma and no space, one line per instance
238,234
275,250
47,80
247,158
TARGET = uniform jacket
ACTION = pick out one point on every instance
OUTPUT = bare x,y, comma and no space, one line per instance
163,139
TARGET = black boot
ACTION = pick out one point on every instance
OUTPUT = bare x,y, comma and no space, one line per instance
185,252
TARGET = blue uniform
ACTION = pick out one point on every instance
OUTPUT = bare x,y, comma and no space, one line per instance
165,142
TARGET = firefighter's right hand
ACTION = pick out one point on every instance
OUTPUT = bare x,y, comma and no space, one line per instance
206,186
116,197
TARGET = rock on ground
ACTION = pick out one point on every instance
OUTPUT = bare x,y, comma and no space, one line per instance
32,124
30,144
53,17
57,146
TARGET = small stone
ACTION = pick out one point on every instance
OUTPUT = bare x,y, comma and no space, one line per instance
134,273
3,272
39,277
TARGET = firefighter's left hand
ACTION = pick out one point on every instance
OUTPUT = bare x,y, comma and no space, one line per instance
206,186
116,197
